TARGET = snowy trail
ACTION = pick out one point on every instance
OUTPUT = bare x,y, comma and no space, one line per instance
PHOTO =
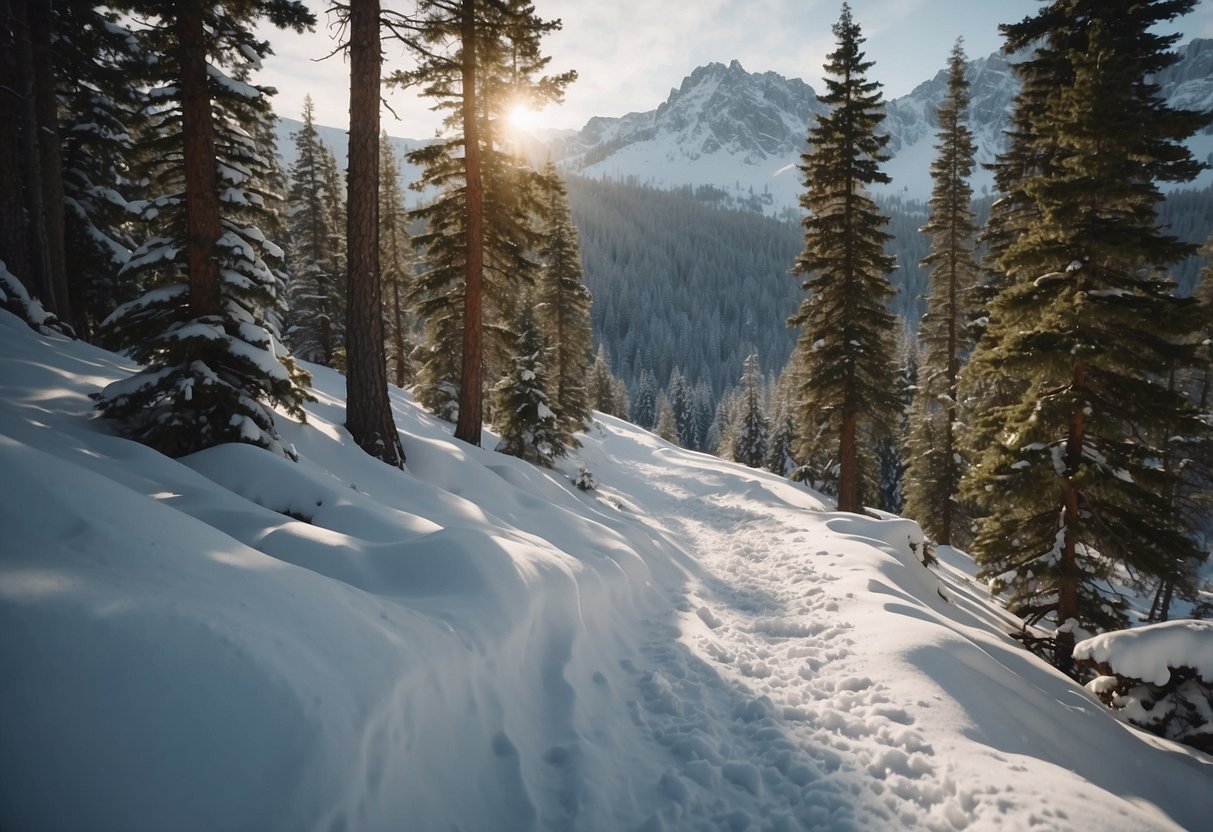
232,641
762,648
781,697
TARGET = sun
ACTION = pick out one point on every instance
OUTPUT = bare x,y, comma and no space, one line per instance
522,117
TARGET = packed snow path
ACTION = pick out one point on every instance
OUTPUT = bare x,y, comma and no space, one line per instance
784,702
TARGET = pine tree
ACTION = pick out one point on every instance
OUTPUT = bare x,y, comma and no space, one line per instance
845,341
209,332
1075,487
644,405
479,233
96,58
667,424
396,264
317,293
934,467
564,309
528,426
680,397
750,436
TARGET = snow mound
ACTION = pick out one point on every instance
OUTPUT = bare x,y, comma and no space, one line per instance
235,641
1147,653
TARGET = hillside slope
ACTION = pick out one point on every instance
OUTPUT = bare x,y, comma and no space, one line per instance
235,642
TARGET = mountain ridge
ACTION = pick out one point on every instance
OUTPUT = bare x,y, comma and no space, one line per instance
744,132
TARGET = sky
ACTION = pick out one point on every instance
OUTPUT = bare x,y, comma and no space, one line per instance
629,54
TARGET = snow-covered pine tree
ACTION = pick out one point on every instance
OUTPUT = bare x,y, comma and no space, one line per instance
680,396
396,267
667,423
751,433
934,465
704,403
845,343
207,326
528,427
1075,487
316,316
889,449
644,403
564,309
96,58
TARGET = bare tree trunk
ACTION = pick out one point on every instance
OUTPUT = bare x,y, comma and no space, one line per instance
398,335
38,280
470,408
14,240
368,415
46,114
1067,590
201,178
848,476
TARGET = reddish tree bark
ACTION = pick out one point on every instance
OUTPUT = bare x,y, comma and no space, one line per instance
201,177
848,474
368,415
471,416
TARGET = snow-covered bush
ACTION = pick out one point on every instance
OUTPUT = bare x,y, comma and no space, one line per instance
584,479
1158,677
15,299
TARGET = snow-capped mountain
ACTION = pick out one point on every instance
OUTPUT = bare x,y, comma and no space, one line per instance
742,132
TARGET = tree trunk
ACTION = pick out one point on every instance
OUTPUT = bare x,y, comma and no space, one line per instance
848,476
368,415
201,178
1067,586
470,413
398,335
38,280
14,242
46,114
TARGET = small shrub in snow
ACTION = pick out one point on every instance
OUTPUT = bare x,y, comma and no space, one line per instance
1158,677
584,479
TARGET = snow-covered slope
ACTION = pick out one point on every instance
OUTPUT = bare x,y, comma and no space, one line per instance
235,642
744,132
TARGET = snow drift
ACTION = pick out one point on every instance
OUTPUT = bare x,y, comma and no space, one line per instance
232,641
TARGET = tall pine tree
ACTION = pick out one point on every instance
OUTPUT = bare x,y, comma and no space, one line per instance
845,344
934,467
317,293
1075,485
564,310
207,329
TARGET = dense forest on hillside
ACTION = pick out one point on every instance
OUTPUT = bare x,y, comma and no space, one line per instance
679,282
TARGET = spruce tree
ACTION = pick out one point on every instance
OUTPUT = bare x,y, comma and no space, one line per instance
644,405
934,467
528,426
749,444
316,317
96,58
845,343
396,267
564,309
1075,487
478,58
207,329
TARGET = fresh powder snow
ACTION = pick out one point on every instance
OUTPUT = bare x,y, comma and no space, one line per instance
233,641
